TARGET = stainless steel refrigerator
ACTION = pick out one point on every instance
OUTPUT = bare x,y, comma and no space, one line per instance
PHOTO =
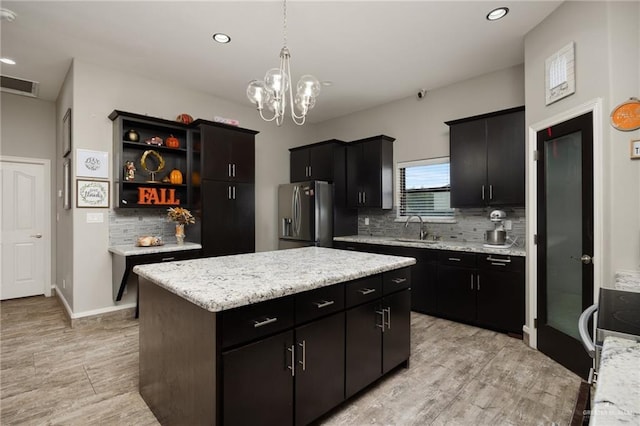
305,214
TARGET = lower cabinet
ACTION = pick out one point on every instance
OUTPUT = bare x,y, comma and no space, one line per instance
327,353
378,339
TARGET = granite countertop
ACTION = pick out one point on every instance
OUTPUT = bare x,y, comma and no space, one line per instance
220,283
628,280
617,397
131,250
436,245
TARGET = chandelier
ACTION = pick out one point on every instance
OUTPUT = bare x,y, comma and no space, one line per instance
276,87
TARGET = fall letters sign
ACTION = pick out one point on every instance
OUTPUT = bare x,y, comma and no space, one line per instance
157,196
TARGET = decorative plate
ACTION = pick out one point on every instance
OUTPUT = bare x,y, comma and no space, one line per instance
626,116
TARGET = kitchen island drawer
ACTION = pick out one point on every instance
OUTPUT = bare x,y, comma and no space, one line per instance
250,322
501,262
363,290
319,302
457,258
395,280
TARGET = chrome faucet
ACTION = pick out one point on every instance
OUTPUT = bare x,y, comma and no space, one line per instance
423,232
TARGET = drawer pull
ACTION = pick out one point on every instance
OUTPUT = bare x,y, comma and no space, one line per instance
365,291
493,259
166,259
455,259
399,280
324,303
498,264
257,324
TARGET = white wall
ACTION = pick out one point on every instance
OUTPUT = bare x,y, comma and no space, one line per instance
97,91
418,125
29,130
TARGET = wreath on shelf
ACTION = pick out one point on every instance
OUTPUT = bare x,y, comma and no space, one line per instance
157,156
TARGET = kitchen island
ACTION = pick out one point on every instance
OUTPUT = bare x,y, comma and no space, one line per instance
269,338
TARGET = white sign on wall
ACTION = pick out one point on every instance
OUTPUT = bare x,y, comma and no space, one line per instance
560,77
94,164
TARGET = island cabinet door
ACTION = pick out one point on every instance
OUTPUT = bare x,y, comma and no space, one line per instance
319,368
363,346
258,382
396,339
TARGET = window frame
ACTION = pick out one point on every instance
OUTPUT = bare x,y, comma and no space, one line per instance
398,196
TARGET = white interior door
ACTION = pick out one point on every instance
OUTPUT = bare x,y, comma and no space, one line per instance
25,243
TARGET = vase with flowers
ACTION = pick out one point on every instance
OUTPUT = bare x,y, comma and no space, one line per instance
181,217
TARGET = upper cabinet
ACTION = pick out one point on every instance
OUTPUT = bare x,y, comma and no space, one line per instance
228,152
370,172
487,159
319,161
151,167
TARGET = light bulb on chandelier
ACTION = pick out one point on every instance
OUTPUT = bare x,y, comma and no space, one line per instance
273,91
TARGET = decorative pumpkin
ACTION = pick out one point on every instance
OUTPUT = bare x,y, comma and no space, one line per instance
185,119
172,142
175,177
195,178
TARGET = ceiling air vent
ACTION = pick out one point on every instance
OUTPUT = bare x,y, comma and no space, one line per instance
19,86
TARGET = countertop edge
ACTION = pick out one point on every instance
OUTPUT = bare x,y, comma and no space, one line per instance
132,250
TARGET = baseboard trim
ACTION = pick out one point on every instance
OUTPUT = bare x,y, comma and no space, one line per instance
75,319
525,335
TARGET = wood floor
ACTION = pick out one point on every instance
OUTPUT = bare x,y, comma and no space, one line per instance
459,375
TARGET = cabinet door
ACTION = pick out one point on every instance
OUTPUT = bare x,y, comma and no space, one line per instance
370,175
456,293
468,163
215,153
258,384
423,282
243,156
506,159
244,220
218,221
396,339
500,300
321,162
319,367
354,191
299,165
363,346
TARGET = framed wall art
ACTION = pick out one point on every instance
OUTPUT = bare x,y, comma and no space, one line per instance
66,184
92,164
560,74
66,133
92,193
635,149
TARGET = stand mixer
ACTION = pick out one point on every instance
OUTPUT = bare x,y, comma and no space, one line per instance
497,236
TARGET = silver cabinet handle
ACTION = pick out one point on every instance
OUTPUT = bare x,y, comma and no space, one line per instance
310,171
381,325
491,192
455,259
166,259
483,192
229,169
228,192
399,280
38,235
303,345
364,197
388,309
359,197
478,283
233,192
233,169
324,303
292,367
257,324
365,291
471,281
493,259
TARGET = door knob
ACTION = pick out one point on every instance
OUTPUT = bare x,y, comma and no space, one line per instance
586,259
36,236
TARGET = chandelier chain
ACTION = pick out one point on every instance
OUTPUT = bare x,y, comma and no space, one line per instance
284,25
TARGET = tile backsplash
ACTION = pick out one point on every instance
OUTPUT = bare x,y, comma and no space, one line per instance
126,225
469,226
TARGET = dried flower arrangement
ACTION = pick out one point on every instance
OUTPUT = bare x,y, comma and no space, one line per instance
180,215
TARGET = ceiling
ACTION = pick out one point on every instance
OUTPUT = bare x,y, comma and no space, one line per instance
374,52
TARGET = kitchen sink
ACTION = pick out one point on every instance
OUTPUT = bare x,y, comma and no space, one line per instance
416,240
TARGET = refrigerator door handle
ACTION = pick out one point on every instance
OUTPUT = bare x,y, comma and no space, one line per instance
297,211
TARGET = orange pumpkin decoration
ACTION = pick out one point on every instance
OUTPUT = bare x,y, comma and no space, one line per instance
185,119
172,142
175,177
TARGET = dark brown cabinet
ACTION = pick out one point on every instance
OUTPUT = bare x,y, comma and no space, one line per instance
319,161
224,158
487,159
455,292
228,217
370,172
377,334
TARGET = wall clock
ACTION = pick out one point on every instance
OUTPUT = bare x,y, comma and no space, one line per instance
626,116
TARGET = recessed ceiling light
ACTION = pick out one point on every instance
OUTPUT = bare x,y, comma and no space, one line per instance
498,13
7,61
221,38
7,15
